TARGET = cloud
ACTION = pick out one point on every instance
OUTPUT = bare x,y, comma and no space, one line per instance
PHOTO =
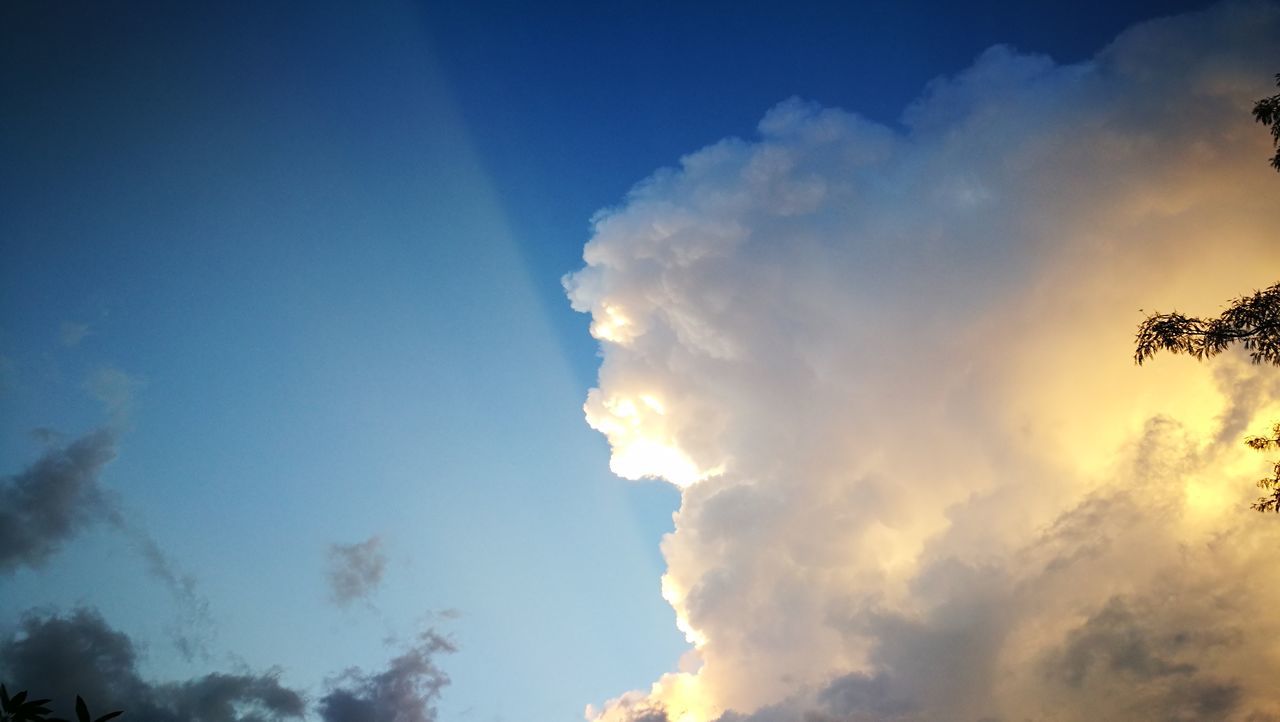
891,371
114,388
61,656
194,628
79,654
58,496
406,691
46,436
355,570
50,501
71,333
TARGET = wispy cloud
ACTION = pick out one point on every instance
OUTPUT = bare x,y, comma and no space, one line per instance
115,389
355,570
71,333
194,628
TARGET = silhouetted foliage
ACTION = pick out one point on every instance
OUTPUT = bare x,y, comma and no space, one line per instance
1271,484
1267,112
1252,321
19,709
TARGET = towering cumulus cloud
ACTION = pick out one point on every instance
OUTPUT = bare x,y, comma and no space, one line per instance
891,370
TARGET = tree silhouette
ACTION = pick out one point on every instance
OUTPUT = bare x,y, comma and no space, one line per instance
1267,112
1271,484
19,709
82,713
1252,321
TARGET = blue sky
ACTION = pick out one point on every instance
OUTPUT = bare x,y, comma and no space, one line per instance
307,259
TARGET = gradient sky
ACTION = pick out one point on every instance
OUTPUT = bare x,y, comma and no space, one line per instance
306,260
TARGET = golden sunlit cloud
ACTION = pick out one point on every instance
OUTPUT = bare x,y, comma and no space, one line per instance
891,371
643,446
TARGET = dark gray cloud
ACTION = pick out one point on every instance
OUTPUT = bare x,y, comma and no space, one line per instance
1154,659
55,498
634,708
79,654
651,714
355,570
860,694
851,698
61,656
231,697
50,501
1114,642
406,691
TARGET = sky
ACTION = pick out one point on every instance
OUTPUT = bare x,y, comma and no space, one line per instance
647,362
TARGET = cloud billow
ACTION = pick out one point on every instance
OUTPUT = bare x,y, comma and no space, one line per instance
406,691
891,370
59,495
60,656
51,501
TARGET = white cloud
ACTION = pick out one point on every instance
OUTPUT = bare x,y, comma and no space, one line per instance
892,371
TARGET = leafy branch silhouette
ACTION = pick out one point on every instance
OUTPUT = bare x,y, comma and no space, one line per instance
1267,112
1270,484
1252,321
19,709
